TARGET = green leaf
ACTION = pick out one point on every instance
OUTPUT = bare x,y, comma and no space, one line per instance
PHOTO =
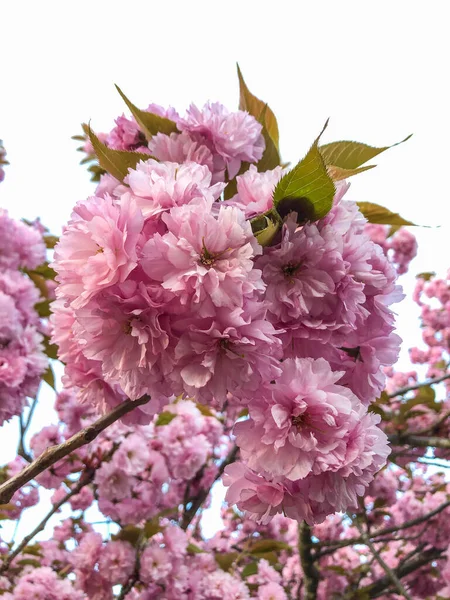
152,527
255,106
51,350
205,410
250,569
129,533
150,123
51,241
193,549
43,309
39,282
271,156
165,418
425,395
265,227
426,276
307,189
49,377
4,509
46,271
30,562
337,173
375,213
226,559
267,545
351,155
115,162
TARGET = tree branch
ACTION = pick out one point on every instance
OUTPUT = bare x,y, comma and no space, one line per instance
55,453
377,588
380,532
417,386
203,494
386,568
84,480
420,441
310,572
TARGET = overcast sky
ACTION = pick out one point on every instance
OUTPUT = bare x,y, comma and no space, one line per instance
379,70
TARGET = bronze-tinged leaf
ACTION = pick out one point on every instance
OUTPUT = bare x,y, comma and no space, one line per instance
115,162
380,215
346,154
255,106
271,156
337,173
149,123
307,189
426,276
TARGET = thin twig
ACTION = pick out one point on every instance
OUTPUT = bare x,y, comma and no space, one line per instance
55,453
377,588
386,568
380,532
203,494
399,439
84,480
417,386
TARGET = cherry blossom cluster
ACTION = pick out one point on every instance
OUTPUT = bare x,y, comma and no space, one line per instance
165,291
22,359
401,246
245,560
432,294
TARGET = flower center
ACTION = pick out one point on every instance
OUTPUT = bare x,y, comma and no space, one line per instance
298,421
208,258
291,268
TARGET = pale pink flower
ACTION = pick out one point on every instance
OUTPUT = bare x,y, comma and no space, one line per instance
299,423
203,259
255,191
157,187
235,136
97,248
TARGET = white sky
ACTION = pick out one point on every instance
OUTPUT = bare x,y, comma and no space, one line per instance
379,70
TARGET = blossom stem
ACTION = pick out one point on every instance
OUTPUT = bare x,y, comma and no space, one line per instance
55,453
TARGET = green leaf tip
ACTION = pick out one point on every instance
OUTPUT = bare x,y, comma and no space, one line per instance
149,123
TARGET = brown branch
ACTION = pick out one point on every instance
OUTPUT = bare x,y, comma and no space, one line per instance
383,564
417,386
310,572
375,589
84,480
380,532
420,441
56,453
203,494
